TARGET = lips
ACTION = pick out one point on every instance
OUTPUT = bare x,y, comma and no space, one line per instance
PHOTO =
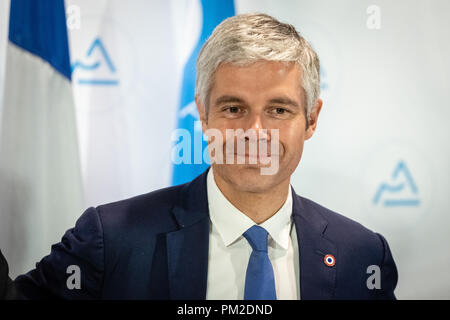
252,151
247,154
254,155
251,158
246,151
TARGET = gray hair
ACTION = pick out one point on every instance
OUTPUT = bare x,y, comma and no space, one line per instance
247,38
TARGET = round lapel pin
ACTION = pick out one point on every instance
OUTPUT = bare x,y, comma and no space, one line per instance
329,260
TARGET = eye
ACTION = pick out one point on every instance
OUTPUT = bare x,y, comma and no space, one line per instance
233,109
279,111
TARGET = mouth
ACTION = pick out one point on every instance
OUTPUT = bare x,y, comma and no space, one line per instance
250,155
252,159
256,156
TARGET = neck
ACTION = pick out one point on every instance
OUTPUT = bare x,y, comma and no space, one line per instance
258,206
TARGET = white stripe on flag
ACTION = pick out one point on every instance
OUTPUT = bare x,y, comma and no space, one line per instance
40,180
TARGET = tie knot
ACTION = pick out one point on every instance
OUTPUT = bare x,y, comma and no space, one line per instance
257,237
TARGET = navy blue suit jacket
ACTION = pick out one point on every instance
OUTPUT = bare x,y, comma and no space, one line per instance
155,246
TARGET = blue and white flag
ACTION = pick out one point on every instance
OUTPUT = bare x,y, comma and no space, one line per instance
40,178
213,13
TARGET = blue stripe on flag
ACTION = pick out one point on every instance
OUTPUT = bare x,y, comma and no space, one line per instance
213,12
40,28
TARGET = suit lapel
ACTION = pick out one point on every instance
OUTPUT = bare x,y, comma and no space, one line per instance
187,248
317,280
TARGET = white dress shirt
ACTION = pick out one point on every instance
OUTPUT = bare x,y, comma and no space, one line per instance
229,251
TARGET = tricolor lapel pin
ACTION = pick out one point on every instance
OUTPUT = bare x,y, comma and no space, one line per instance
329,260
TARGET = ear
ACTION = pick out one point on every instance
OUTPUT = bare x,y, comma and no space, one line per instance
314,116
201,108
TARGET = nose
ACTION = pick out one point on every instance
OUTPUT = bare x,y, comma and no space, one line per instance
255,123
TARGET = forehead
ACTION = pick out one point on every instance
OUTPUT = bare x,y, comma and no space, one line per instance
260,80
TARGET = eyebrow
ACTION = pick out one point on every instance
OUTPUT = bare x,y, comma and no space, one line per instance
228,99
285,101
276,100
282,100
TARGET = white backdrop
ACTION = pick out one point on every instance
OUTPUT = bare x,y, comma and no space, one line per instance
385,92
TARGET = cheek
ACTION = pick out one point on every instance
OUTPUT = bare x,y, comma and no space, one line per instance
292,138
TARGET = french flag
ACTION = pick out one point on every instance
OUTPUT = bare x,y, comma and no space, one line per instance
40,178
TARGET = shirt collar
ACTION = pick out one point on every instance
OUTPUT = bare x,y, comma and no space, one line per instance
231,223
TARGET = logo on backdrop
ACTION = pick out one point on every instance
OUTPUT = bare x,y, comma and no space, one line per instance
396,184
390,194
97,65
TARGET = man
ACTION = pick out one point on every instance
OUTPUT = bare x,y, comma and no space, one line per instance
233,232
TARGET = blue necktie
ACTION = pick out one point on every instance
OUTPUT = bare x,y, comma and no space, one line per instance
259,279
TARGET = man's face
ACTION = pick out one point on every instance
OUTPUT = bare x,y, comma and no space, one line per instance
264,95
